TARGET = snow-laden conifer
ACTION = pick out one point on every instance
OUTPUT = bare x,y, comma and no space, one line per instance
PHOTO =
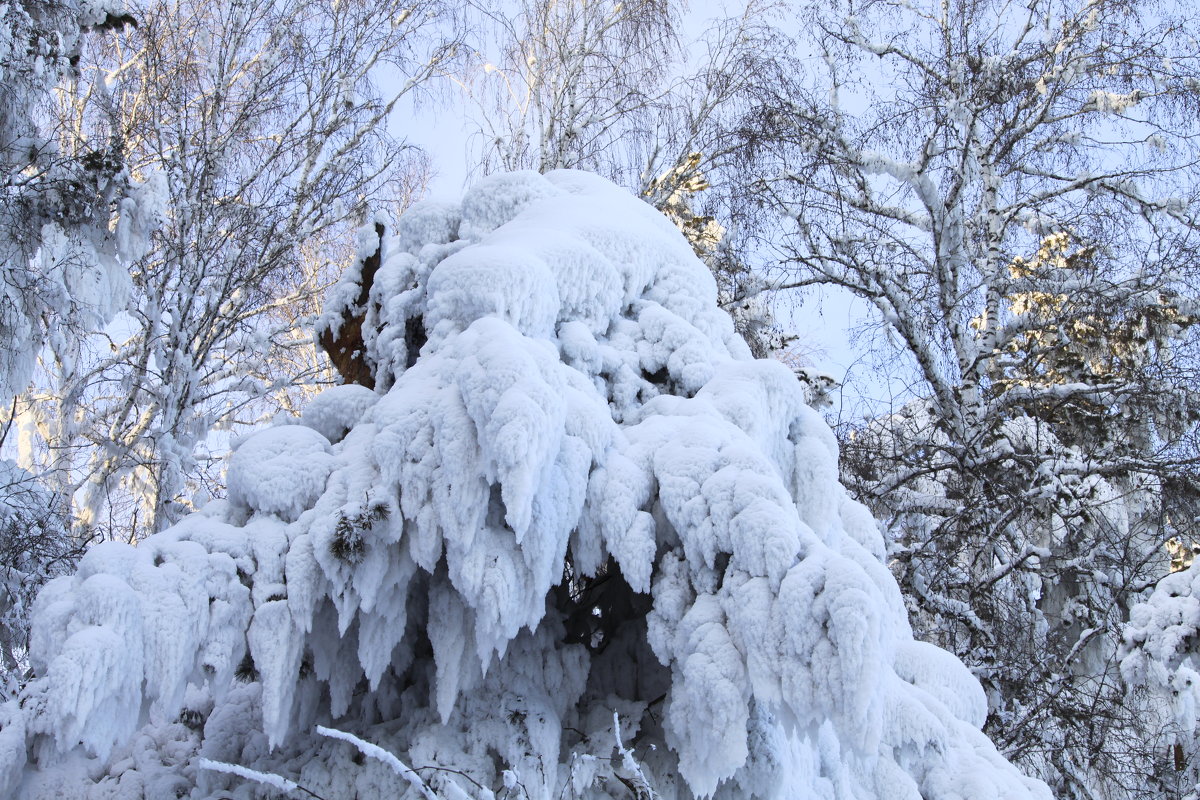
572,502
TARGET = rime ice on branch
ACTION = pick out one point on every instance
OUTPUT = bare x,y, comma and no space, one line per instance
570,493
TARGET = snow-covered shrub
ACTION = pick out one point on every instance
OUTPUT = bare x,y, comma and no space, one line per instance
582,506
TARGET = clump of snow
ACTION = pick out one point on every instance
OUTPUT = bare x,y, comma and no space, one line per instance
427,223
338,409
280,470
500,199
576,541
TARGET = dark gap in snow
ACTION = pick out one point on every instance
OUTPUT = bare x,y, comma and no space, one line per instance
659,377
594,609
496,512
415,337
721,567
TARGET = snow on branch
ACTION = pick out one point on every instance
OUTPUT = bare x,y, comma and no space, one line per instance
265,778
378,753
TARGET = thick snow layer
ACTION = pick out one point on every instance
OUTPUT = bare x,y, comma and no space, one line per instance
280,470
1159,656
576,543
338,409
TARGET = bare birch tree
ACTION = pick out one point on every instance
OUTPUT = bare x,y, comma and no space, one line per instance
263,126
620,89
1011,187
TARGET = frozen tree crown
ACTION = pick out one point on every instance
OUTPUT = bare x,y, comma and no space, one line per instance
570,497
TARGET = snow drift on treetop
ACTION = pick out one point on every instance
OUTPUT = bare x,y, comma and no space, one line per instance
571,498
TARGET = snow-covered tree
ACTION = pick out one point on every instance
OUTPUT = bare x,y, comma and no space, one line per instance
261,123
577,543
72,220
568,79
1011,187
69,218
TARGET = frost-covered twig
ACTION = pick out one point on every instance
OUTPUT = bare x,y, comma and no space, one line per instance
269,778
379,754
459,773
635,779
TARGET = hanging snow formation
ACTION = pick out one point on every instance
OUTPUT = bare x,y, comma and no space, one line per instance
572,497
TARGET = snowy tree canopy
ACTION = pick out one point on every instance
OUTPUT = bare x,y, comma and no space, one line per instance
71,218
1011,188
571,498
